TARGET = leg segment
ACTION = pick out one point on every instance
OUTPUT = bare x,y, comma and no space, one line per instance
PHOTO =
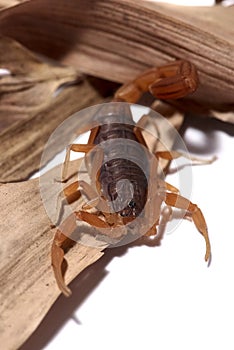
59,244
170,155
91,219
154,201
154,136
73,192
92,135
75,148
79,148
171,81
104,226
57,255
171,188
177,201
139,135
94,164
84,187
62,241
140,127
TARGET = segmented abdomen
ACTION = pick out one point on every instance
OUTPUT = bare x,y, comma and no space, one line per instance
123,175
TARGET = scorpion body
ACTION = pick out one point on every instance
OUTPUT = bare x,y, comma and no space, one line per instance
122,168
116,169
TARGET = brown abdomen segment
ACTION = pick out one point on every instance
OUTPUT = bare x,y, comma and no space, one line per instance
123,175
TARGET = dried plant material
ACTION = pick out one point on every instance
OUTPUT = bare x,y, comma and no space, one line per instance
118,45
224,116
30,85
10,3
27,283
22,144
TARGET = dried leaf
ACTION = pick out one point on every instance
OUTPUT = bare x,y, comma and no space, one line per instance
27,284
224,116
22,144
30,85
119,44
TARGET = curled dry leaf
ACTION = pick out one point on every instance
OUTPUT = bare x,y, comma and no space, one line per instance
118,44
22,143
29,84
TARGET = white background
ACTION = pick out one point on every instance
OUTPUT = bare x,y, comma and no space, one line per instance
160,297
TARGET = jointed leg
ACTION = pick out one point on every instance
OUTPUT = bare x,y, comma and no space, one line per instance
139,135
59,244
178,201
171,188
75,148
154,201
92,135
57,255
104,225
73,192
62,240
141,126
91,219
97,160
91,139
170,155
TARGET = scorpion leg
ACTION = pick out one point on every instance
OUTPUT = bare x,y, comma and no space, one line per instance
177,201
72,191
154,201
84,148
171,81
145,119
170,155
93,134
91,219
140,127
157,191
88,161
75,148
111,220
139,135
60,243
93,195
96,162
171,188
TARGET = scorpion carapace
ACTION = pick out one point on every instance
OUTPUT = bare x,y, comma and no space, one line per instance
124,184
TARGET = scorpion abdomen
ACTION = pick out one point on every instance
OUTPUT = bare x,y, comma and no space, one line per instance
123,175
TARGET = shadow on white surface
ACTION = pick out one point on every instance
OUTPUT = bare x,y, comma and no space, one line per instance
82,287
204,139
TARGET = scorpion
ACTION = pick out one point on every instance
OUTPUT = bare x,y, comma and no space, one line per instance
141,200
